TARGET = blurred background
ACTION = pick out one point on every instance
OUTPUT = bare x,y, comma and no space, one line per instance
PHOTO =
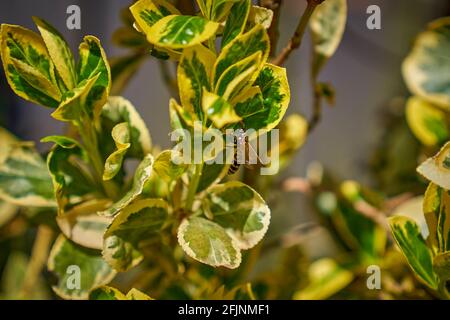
365,72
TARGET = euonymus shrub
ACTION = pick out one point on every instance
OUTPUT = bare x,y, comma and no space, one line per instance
108,216
426,243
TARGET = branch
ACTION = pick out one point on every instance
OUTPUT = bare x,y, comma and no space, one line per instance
297,38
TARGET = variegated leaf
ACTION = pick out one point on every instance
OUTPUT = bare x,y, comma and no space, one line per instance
437,168
24,178
93,62
243,46
260,15
327,25
71,184
83,225
68,260
148,12
169,165
276,96
106,293
218,110
240,75
179,32
209,243
427,122
118,110
59,51
72,105
240,210
121,136
29,69
407,235
194,74
426,69
135,224
236,21
141,176
215,10
436,208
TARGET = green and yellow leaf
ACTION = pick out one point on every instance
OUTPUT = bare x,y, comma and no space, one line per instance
141,176
83,225
238,76
66,259
179,32
276,96
194,74
28,67
407,235
93,62
169,165
135,224
148,12
427,122
218,110
121,136
24,178
72,105
59,51
236,21
243,46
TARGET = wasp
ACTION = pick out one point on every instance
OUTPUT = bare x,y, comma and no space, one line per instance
241,139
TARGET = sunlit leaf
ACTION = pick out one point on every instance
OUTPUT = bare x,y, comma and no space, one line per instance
276,96
141,176
194,73
93,62
29,69
59,51
243,46
177,32
218,110
169,165
236,21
